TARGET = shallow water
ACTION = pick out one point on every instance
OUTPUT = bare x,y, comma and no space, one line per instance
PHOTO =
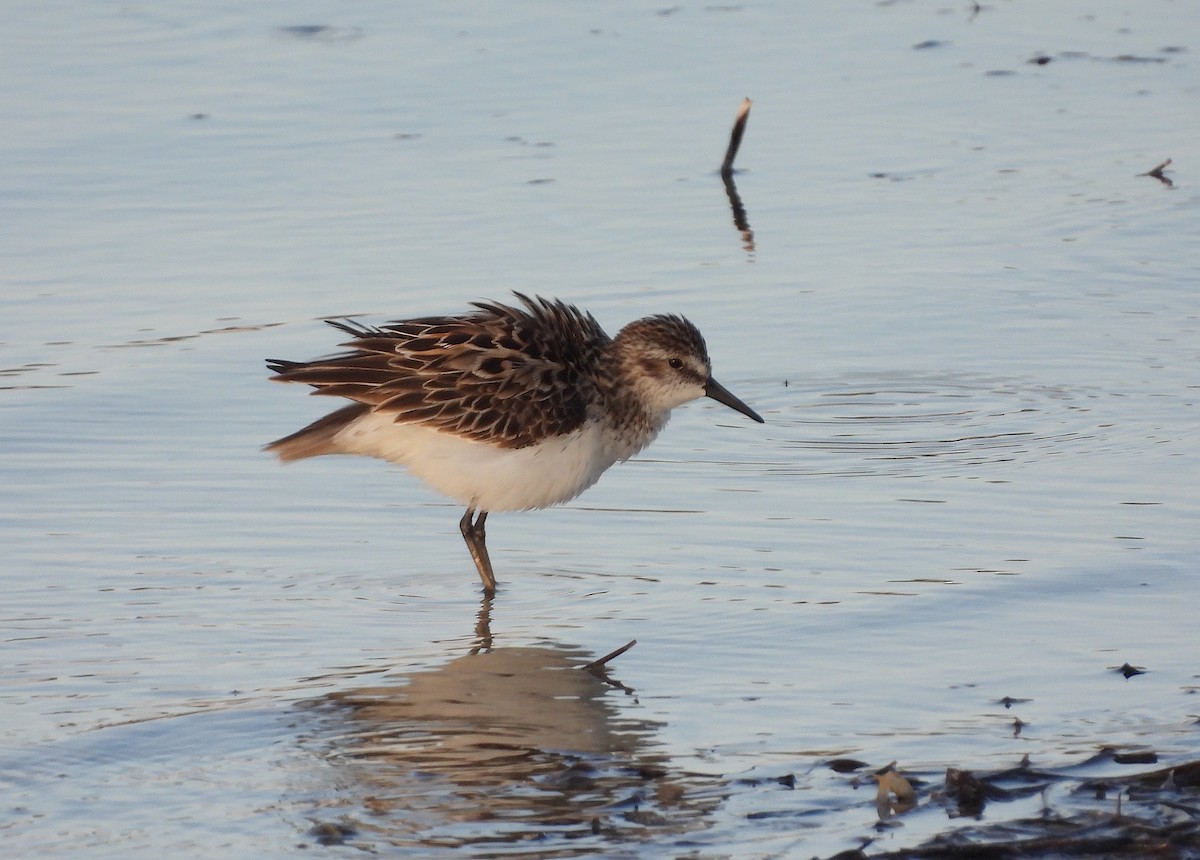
969,322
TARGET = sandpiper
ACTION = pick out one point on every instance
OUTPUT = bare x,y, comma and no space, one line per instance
503,408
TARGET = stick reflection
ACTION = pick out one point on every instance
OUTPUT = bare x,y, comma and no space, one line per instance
740,220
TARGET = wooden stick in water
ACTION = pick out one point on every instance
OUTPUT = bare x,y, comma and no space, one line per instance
735,138
1157,173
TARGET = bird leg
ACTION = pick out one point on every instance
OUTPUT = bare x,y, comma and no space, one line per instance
473,534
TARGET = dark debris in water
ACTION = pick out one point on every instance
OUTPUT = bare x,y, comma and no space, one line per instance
332,832
1148,814
1009,701
1136,757
1088,835
1042,58
845,765
1156,172
1130,671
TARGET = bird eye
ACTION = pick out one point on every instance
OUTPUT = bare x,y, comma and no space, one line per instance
675,363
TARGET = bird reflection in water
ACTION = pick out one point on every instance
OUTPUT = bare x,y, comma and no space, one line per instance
505,745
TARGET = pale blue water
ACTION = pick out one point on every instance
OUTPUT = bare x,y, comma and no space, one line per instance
971,326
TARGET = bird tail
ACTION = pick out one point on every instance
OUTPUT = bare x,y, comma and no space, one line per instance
317,438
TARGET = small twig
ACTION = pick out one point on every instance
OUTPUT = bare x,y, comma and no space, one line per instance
598,665
735,137
1157,173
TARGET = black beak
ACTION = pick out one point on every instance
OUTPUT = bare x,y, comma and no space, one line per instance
721,394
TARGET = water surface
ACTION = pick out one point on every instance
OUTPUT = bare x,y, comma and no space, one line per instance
968,319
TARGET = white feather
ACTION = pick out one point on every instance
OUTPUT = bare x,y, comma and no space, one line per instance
486,477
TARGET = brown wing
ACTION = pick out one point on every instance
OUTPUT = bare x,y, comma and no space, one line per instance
504,375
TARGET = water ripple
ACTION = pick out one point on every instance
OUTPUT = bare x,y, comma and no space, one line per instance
931,426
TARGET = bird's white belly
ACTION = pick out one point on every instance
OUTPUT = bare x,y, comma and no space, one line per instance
480,475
